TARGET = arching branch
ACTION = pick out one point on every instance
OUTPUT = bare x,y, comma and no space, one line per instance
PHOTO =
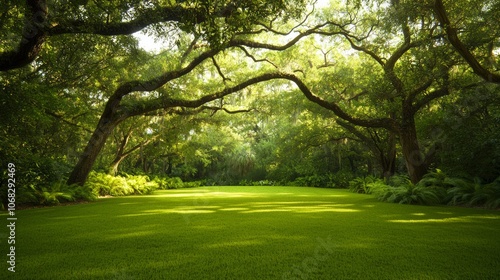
31,40
461,48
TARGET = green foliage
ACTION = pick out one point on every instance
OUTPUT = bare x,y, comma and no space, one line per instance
438,179
401,190
407,194
141,184
475,194
435,188
167,183
339,180
53,194
317,181
492,191
104,184
362,184
465,194
247,182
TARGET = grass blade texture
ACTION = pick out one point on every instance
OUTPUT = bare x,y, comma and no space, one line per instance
255,233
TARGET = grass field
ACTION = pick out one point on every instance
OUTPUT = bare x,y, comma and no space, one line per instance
254,233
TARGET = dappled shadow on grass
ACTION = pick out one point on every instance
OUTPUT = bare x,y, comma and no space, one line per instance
255,233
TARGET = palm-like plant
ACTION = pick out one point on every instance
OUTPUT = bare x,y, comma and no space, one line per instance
489,195
442,185
362,184
403,191
464,193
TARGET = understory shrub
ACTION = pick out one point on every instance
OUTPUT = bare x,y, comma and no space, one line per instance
141,184
247,182
398,189
104,184
317,181
53,194
167,183
407,194
362,184
476,194
333,180
464,194
492,191
434,188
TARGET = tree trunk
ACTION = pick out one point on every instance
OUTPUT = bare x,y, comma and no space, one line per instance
94,146
121,154
415,162
388,160
113,167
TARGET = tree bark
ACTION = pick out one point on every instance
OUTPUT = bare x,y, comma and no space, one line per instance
386,157
389,159
94,146
32,38
121,154
460,47
112,116
414,159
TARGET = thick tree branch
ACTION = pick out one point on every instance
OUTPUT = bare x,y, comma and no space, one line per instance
429,97
166,102
182,111
387,123
254,59
160,14
224,79
413,94
36,28
32,37
461,48
258,45
369,142
153,84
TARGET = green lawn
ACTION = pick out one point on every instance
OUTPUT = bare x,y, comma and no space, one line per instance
254,233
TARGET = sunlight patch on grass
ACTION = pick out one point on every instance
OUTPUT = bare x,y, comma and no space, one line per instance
466,219
256,233
74,217
130,234
234,209
267,210
303,209
180,211
418,214
236,194
236,244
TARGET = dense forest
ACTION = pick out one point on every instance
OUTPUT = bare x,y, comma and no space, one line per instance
359,94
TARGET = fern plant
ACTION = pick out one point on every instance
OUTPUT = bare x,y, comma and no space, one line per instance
405,193
53,194
141,184
488,195
493,191
362,184
442,185
463,194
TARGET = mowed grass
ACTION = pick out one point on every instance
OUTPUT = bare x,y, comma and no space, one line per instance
255,233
